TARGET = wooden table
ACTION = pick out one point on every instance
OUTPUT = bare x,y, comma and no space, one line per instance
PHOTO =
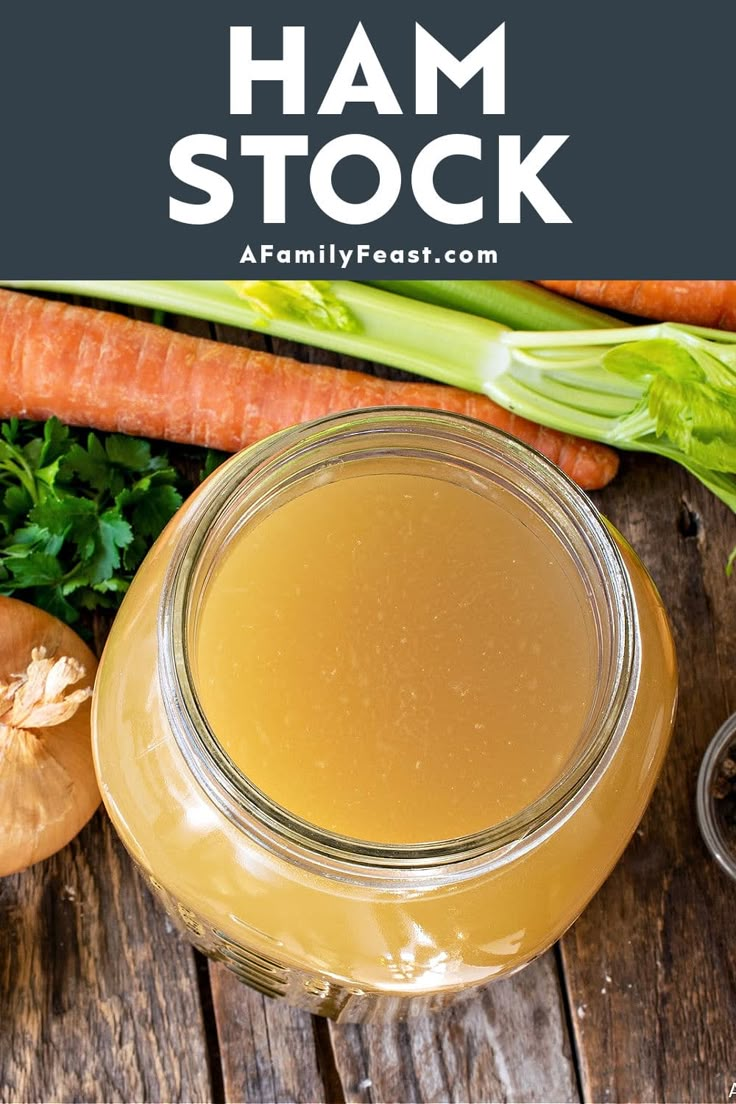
100,1001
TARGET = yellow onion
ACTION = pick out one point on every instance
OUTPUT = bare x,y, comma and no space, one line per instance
48,789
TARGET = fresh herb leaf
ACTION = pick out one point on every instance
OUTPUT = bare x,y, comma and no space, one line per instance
35,569
16,502
90,465
78,513
130,453
115,534
151,509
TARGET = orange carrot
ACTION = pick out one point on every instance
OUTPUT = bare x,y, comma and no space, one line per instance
700,302
103,370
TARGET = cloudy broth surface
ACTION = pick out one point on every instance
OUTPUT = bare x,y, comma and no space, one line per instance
397,657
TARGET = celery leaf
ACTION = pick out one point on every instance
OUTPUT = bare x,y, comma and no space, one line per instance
698,418
690,393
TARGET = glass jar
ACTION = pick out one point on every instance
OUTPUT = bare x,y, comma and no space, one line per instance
336,925
713,787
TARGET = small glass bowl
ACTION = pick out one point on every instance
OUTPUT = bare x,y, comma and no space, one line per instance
707,803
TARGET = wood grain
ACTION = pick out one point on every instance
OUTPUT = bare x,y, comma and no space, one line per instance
650,965
270,1052
98,1001
507,1042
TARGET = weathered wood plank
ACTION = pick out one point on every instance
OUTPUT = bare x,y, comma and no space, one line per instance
650,965
98,1000
507,1042
269,1051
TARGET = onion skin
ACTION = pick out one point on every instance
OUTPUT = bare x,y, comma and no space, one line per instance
48,788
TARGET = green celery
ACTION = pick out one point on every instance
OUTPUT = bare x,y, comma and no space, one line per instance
664,388
513,303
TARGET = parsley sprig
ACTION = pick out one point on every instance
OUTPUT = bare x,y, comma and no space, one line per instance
77,513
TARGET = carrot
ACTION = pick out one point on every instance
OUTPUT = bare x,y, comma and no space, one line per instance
699,302
103,370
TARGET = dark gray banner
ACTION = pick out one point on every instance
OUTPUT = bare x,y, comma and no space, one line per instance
411,139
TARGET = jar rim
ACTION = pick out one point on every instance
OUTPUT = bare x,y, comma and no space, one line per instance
708,820
310,845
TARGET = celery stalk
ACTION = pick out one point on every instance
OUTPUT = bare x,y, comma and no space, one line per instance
664,388
519,305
